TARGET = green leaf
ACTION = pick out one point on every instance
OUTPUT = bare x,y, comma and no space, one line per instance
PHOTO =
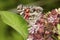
16,22
17,36
2,29
7,33
58,31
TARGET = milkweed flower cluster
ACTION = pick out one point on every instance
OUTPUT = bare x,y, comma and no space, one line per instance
41,26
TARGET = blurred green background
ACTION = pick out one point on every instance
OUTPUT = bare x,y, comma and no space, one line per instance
8,33
46,4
